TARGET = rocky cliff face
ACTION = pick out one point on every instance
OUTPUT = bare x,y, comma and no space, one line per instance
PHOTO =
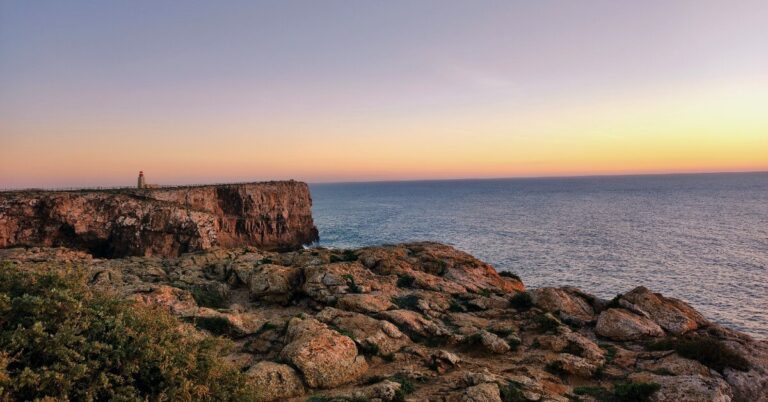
164,222
426,322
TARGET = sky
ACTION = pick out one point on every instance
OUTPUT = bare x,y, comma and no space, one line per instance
91,92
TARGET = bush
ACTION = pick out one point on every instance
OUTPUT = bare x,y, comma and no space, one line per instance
634,391
215,325
346,256
709,352
408,302
521,301
67,342
547,322
512,393
622,392
351,284
208,297
405,281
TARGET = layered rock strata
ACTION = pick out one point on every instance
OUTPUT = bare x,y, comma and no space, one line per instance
164,221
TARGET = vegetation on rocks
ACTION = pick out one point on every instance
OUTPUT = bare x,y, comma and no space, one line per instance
62,340
301,326
622,392
709,352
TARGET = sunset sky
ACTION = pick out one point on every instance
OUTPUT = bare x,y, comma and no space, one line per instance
91,92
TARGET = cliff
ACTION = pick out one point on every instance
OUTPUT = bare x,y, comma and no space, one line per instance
163,221
426,322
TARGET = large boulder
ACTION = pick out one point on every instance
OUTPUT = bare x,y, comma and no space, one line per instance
569,303
378,335
621,325
673,315
274,283
364,303
325,357
487,392
275,381
686,388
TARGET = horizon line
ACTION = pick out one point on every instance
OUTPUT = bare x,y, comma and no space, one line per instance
575,176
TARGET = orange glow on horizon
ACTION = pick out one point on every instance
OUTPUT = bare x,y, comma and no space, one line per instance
723,128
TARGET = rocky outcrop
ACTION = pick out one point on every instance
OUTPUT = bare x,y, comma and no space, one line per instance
427,322
325,357
165,222
622,325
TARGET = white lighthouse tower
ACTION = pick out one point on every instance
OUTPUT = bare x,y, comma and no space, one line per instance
142,182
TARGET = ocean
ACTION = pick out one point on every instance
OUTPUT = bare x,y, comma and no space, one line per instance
702,238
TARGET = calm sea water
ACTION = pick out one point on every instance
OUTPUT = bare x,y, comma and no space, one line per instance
701,238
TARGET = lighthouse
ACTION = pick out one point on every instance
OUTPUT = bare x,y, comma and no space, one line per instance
142,182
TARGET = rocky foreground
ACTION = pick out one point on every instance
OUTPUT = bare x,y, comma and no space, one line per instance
426,322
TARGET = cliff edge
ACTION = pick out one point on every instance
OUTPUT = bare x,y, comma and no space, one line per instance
164,221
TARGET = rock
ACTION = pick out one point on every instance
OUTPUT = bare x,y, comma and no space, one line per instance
621,325
273,283
163,221
275,381
379,335
382,391
569,303
415,323
672,315
176,300
686,388
443,361
488,392
230,323
364,303
326,358
491,342
574,365
673,364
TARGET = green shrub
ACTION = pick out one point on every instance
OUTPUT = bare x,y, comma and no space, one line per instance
456,307
406,384
208,297
521,301
368,349
622,392
547,322
343,331
351,284
556,368
68,342
599,393
634,391
512,393
709,352
215,325
614,303
610,352
405,281
267,326
408,302
346,256
574,349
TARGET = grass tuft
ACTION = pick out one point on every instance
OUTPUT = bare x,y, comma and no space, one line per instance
405,281
521,301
